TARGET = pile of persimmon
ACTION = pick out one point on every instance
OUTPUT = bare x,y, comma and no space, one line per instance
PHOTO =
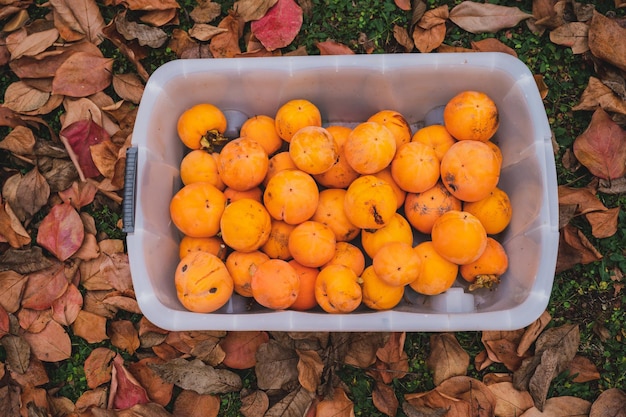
297,215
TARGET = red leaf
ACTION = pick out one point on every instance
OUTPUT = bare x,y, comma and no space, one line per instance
280,25
602,147
81,136
65,308
241,347
333,48
44,287
61,231
125,389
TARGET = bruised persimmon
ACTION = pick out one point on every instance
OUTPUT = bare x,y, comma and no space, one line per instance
201,126
437,274
313,149
200,166
245,225
294,115
422,209
415,167
291,195
312,243
277,244
486,271
494,211
435,136
275,284
459,237
378,294
470,170
306,295
242,164
369,202
396,263
396,123
262,129
196,209
337,289
213,244
471,115
203,283
397,229
385,175
369,148
349,255
241,266
330,211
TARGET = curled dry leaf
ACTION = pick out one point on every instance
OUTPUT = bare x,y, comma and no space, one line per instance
310,368
65,308
61,231
226,44
598,94
575,248
79,137
32,44
532,332
254,403
241,347
21,98
509,401
79,195
197,376
128,87
252,9
98,366
572,34
481,400
158,390
20,141
279,26
391,359
206,11
11,229
485,17
604,223
191,404
566,406
493,45
430,30
583,370
276,366
77,20
331,47
123,335
204,32
447,358
27,193
90,326
384,399
602,147
610,403
145,35
401,35
295,403
125,391
336,405
606,40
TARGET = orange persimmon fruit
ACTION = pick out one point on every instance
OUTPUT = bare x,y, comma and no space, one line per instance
437,274
396,123
196,209
378,294
313,150
294,115
245,225
241,266
291,195
275,284
396,263
369,148
494,211
242,164
422,209
262,128
201,126
471,115
370,202
459,237
312,243
415,167
337,289
203,283
486,271
330,211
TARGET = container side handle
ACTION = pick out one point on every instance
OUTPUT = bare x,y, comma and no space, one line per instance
128,203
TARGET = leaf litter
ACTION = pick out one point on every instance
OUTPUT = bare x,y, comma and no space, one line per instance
73,280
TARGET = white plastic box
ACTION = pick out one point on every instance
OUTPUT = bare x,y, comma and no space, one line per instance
348,89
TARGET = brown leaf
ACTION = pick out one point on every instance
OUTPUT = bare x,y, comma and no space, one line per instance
20,141
337,405
160,17
502,347
98,366
125,391
401,35
105,156
61,231
4,323
575,248
191,404
605,40
541,85
392,360
33,321
252,9
197,376
10,400
158,390
206,11
92,398
21,98
79,195
27,193
110,270
124,336
204,32
241,348
427,40
493,45
36,374
226,44
602,147
585,199
82,74
279,26
604,223
78,138
145,35
509,401
610,403
565,406
52,344
310,368
384,399
294,404
90,326
572,34
472,391
121,302
254,403
132,51
532,332
361,348
276,366
598,94
447,358
32,44
44,287
555,349
12,285
583,370
331,47
17,352
147,4
78,19
403,4
11,229
485,17
128,86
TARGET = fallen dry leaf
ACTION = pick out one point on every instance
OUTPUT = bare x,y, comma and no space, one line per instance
310,368
572,34
276,366
61,231
90,326
191,404
605,40
241,348
44,287
295,403
31,44
492,45
123,335
565,406
158,390
128,86
52,344
77,20
331,47
598,94
206,11
610,403
384,399
27,194
21,97
125,391
254,403
98,366
20,141
81,136
197,376
509,401
145,35
336,405
472,391
604,223
401,35
602,147
447,358
279,26
430,31
583,370
226,44
18,352
252,9
82,74
485,17
531,333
